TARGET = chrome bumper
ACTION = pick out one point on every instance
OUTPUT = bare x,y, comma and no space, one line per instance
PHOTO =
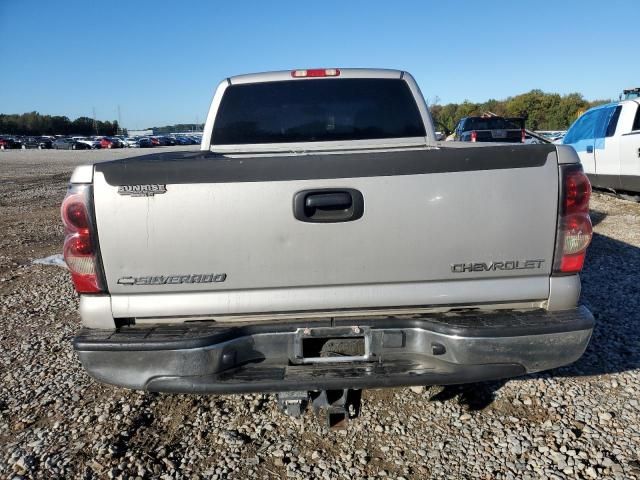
202,357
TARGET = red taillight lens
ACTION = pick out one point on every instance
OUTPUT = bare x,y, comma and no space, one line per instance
79,250
316,72
577,191
75,214
474,136
574,225
79,244
572,263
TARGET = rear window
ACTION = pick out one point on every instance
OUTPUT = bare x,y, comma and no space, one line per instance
490,123
316,111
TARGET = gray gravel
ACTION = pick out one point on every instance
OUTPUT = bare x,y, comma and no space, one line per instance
581,421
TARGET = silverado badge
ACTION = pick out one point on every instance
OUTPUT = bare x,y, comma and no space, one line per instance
142,190
174,279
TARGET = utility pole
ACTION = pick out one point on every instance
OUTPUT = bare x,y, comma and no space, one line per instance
119,121
95,124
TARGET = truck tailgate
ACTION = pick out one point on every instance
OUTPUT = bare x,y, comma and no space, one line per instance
439,226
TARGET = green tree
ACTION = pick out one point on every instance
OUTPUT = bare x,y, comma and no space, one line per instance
541,110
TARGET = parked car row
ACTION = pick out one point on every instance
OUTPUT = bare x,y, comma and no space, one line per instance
7,143
95,142
78,143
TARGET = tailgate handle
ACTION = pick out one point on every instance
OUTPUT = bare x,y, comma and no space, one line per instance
328,200
328,205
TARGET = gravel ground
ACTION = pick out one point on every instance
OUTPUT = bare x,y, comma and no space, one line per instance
581,421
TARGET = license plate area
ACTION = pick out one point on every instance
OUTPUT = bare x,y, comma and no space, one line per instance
331,345
499,133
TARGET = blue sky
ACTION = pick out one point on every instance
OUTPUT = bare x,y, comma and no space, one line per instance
160,61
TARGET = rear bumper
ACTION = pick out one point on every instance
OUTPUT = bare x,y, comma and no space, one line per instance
441,349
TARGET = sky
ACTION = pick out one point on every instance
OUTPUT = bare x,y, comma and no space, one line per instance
160,61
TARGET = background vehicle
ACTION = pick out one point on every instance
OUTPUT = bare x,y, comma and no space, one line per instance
607,139
631,93
124,143
37,142
69,144
531,140
184,141
7,143
92,143
553,135
131,142
110,142
488,128
166,141
145,142
322,239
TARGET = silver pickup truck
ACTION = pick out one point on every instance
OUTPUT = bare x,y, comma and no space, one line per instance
323,240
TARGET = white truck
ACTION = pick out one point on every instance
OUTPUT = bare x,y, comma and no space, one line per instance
607,139
321,241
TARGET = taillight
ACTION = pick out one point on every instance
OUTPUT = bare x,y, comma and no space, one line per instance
574,225
474,135
80,252
316,72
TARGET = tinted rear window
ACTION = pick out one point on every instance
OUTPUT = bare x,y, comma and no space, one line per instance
317,110
490,123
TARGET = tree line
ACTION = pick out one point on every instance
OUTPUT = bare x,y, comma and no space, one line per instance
541,110
179,127
33,123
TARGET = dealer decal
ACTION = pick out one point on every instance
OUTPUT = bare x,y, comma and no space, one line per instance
142,190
